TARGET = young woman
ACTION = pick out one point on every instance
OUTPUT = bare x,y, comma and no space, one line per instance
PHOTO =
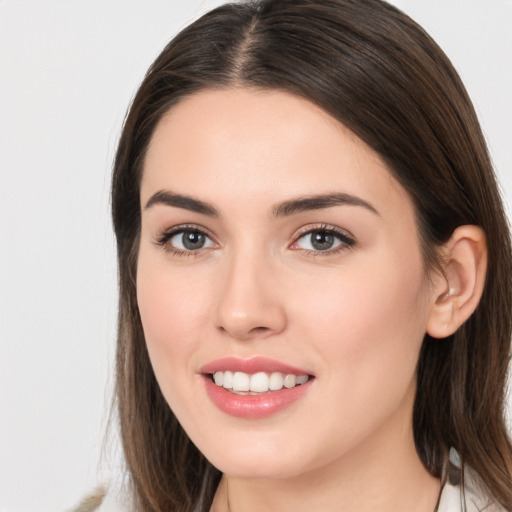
315,272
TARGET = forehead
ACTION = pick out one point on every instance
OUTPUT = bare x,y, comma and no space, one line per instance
263,145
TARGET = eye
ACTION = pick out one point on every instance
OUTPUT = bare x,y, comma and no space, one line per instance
190,240
323,239
185,240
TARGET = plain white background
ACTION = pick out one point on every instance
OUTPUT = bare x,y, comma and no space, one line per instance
67,73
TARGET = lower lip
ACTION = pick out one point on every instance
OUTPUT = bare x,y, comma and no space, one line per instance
254,406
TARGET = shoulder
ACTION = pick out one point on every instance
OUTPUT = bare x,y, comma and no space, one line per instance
452,500
476,497
470,497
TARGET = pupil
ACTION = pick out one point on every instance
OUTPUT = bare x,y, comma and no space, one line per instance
193,240
322,241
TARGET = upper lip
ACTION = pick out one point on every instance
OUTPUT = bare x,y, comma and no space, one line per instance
251,365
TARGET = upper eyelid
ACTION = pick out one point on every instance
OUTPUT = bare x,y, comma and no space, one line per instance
187,227
304,230
301,231
348,241
164,236
322,227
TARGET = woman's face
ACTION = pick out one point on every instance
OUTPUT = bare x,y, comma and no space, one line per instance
277,247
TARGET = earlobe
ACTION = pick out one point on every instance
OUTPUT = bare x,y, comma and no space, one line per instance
457,291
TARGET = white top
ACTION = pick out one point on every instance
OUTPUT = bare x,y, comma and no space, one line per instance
475,499
451,499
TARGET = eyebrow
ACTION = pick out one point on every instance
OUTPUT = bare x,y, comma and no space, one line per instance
168,198
293,206
319,202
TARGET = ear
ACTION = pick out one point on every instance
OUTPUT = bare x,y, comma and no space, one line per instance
458,288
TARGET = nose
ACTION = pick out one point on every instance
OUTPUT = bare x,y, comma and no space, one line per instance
250,303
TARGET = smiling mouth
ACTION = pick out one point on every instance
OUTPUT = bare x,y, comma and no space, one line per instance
241,383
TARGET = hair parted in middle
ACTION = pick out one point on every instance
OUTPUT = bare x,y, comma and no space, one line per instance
378,73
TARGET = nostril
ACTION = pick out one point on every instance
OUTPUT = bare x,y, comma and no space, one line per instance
259,329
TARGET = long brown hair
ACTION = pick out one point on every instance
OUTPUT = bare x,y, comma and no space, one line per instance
377,72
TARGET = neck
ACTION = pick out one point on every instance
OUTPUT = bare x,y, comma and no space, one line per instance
357,491
385,474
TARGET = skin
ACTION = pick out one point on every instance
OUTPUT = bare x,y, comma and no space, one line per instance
354,316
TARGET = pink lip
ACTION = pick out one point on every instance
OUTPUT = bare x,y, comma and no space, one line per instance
252,365
252,406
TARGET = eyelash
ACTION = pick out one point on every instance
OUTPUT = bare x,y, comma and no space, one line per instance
347,240
166,236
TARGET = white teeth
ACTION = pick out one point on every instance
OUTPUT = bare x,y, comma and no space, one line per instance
227,380
275,382
218,377
260,382
241,381
302,379
290,381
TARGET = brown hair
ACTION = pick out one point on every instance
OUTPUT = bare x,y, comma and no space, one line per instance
377,72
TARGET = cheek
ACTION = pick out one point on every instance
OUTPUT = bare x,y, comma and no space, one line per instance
369,322
171,306
366,327
171,302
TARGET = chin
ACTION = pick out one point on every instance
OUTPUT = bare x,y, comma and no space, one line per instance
239,467
253,460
